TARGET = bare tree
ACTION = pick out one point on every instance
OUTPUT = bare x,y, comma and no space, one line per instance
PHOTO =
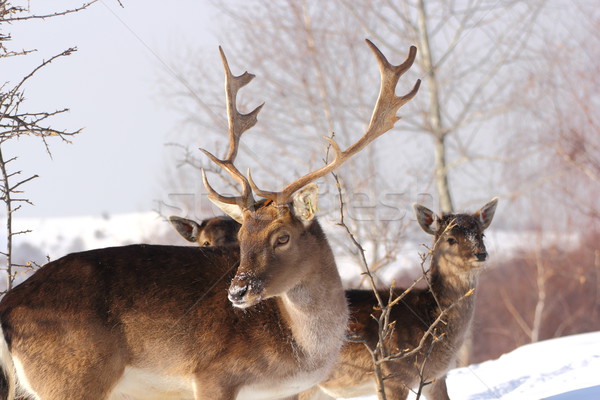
468,49
555,174
17,121
467,55
562,106
468,52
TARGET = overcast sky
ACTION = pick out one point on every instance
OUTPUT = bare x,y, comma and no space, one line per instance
110,86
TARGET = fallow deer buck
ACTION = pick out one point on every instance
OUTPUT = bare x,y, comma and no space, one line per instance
154,322
216,231
445,309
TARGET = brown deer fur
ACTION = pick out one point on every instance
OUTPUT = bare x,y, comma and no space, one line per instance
154,322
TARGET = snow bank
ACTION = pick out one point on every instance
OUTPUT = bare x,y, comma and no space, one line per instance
566,368
59,236
536,371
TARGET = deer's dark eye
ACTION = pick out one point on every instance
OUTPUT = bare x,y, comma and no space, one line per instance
206,244
281,240
451,241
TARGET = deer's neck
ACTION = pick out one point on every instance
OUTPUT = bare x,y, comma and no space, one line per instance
453,291
316,309
450,282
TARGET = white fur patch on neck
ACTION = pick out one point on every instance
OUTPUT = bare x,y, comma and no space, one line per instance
320,335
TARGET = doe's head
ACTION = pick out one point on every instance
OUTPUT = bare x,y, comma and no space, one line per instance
217,231
458,238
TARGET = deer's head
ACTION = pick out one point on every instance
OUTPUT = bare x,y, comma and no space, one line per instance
277,244
458,238
279,236
217,231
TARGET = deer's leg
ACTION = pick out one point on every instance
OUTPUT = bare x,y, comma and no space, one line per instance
437,390
86,365
214,392
86,379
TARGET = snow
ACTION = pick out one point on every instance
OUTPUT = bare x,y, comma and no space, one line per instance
566,368
59,236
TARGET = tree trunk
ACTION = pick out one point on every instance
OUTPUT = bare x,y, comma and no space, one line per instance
441,175
434,115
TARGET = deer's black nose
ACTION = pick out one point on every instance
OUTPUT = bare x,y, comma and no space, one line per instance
481,256
236,293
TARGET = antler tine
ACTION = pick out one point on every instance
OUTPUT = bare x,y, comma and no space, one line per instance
245,199
238,123
262,193
384,114
213,194
382,120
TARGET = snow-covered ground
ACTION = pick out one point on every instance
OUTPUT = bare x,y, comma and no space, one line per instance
566,368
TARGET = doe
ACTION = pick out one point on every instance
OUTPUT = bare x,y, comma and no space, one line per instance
457,257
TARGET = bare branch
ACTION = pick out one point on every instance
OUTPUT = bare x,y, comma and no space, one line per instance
46,16
67,52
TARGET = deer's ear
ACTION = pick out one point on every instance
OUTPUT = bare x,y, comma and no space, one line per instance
426,218
304,203
486,213
233,210
187,228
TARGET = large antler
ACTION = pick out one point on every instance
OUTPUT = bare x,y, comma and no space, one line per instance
238,123
382,120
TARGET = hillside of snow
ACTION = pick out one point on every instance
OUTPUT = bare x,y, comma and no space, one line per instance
563,368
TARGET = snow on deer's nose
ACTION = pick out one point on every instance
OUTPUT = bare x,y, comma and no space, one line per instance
236,293
245,290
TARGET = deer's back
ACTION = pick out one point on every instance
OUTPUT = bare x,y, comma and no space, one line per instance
413,315
160,306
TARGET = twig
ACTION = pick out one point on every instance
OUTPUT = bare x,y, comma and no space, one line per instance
45,16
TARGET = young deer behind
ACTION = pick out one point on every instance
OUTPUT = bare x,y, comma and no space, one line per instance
216,231
457,258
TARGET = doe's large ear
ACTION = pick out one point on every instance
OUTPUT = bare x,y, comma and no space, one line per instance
233,210
304,203
187,228
426,218
486,213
